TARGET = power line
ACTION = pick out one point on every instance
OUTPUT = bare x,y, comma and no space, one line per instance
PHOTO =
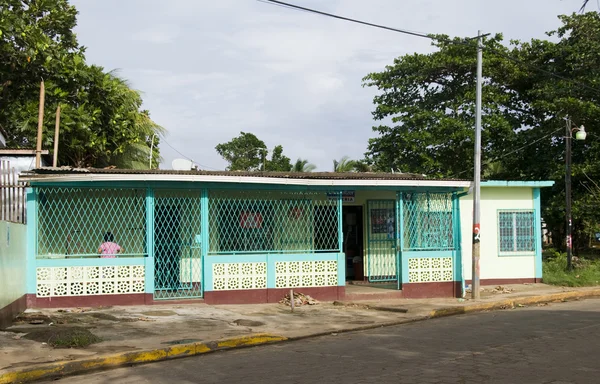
514,151
426,36
310,10
187,157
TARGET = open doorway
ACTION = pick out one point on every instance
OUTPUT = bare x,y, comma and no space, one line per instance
353,244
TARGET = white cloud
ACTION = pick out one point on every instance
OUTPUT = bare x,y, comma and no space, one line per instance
159,34
209,70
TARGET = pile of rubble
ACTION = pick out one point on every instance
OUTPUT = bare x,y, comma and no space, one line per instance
299,299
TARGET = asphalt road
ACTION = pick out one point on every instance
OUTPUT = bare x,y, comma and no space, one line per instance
558,343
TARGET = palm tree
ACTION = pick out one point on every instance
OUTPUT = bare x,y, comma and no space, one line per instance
344,165
362,166
302,165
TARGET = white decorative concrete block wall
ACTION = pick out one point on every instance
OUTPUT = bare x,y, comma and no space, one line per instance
81,281
430,269
231,276
291,274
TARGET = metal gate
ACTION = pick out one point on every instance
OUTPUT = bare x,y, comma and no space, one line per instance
177,244
381,240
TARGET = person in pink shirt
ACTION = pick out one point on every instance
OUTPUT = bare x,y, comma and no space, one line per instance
109,249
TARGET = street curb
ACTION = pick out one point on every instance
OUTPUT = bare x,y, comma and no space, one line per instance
512,303
64,368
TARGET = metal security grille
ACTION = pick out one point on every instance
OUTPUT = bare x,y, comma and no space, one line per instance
75,222
381,243
516,231
272,221
427,221
177,244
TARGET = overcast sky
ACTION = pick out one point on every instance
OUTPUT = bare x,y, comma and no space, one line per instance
210,69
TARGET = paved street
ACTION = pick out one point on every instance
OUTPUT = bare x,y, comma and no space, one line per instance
558,343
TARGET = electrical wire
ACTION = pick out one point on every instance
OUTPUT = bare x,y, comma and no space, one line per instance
426,36
186,157
514,151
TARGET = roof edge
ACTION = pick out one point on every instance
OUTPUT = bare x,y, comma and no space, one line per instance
517,183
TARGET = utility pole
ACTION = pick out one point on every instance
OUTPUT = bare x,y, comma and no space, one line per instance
569,227
476,251
56,129
38,149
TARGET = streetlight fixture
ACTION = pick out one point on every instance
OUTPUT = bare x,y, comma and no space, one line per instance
580,134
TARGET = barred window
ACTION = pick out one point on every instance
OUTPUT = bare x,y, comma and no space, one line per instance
428,221
516,232
272,221
74,222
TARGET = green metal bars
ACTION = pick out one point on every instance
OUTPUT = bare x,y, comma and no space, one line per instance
381,240
272,221
427,221
80,222
177,244
516,232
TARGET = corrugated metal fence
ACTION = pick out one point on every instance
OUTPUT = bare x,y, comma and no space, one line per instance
12,195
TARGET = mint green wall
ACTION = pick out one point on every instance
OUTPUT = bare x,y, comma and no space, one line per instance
13,255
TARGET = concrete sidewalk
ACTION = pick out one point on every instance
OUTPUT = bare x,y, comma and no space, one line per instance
153,333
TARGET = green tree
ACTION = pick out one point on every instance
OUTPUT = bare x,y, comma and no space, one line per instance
278,162
343,165
244,153
101,120
302,165
430,101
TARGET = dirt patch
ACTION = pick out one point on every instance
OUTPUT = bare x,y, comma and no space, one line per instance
248,323
159,313
32,318
104,316
58,337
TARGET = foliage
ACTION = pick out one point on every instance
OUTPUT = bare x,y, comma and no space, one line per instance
101,120
248,153
343,165
279,162
302,165
426,105
585,273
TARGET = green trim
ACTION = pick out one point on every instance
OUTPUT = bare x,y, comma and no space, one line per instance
506,183
401,262
235,186
537,207
205,236
31,240
149,265
515,253
456,231
89,262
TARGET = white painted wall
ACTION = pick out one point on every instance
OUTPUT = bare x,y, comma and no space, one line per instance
493,266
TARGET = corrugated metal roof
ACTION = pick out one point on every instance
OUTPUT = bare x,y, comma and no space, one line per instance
279,175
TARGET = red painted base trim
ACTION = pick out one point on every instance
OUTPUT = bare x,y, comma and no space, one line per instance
89,301
428,290
529,280
274,295
8,313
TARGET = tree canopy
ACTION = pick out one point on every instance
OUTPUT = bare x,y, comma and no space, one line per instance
247,152
426,103
102,122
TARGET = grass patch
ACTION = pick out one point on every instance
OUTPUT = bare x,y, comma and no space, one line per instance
72,337
585,273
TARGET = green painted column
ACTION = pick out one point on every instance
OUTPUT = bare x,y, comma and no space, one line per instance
149,259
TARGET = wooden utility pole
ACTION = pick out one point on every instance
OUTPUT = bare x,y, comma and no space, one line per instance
38,150
56,127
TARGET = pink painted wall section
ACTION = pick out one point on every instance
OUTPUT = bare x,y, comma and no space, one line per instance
13,278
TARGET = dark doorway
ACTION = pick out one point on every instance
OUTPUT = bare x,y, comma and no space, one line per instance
352,227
